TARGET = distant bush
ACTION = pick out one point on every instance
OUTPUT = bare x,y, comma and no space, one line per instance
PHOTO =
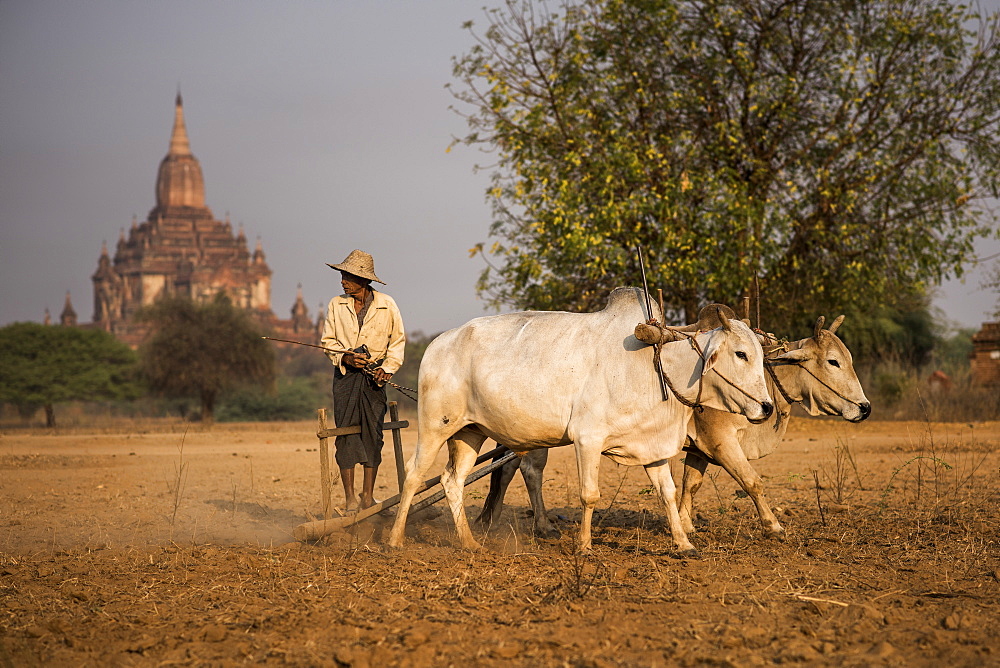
900,393
295,399
899,390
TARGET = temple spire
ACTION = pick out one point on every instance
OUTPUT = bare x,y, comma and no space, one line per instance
68,316
179,144
179,182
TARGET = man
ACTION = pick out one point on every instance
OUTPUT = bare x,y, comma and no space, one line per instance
368,323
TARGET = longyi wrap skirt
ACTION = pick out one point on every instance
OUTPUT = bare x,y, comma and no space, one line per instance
358,400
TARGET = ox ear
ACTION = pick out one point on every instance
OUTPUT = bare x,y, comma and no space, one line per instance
836,323
819,326
797,355
711,357
712,352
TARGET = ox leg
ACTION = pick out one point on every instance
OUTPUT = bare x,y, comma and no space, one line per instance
663,481
694,475
499,482
462,450
416,471
532,467
588,466
730,456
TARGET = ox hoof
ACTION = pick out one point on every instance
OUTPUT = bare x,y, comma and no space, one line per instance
775,535
691,553
549,534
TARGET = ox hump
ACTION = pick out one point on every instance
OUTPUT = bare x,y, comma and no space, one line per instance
625,300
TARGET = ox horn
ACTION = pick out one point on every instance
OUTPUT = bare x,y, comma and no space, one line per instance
819,326
720,310
836,323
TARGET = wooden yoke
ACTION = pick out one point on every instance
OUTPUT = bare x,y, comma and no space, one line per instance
709,317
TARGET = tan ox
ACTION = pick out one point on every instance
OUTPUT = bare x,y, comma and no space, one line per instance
816,372
536,380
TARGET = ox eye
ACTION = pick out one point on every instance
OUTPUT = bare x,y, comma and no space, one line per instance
742,355
834,363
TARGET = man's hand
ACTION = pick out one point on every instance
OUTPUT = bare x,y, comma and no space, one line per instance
355,360
381,376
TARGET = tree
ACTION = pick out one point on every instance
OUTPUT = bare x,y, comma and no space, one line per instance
43,365
836,151
992,282
203,350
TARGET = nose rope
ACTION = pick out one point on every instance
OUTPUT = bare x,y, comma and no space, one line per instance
697,403
769,364
820,381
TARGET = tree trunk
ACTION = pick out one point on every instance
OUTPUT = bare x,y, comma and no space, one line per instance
50,416
208,407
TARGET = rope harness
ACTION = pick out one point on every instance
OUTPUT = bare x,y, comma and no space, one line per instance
775,346
369,370
696,404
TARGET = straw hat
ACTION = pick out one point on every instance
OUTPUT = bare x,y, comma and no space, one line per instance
360,264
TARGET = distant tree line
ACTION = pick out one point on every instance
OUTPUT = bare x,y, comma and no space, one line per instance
213,350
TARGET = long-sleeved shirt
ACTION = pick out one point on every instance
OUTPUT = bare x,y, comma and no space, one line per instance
382,330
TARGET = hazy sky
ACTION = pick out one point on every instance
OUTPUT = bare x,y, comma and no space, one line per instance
320,126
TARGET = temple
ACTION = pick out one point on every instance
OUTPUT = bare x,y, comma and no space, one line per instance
181,249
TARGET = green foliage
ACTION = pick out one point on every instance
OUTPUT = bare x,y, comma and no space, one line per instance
295,399
952,350
902,329
840,151
43,365
203,350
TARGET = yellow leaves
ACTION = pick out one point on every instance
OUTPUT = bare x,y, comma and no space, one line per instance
478,248
685,182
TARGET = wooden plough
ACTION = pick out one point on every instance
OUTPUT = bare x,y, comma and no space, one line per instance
318,529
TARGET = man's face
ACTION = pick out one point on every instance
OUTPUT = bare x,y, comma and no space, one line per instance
353,285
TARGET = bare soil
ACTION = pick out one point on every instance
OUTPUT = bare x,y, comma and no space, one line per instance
166,545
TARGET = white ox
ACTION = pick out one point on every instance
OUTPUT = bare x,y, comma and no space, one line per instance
816,372
535,380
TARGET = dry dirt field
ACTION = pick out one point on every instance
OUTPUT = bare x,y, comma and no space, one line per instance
165,545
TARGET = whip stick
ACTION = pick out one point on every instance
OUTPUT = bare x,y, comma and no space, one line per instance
645,288
649,310
405,390
311,345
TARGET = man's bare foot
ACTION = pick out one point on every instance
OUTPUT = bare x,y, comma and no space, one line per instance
352,505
